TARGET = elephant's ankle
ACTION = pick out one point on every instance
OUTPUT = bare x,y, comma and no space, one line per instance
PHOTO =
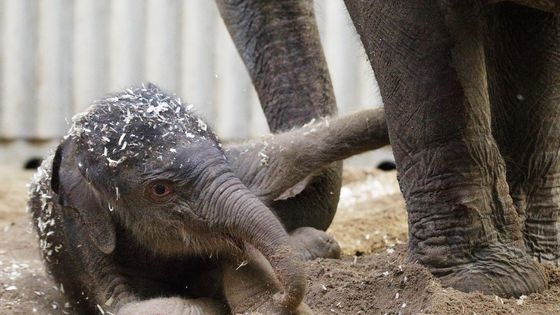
468,250
470,237
461,200
497,269
541,235
537,198
446,233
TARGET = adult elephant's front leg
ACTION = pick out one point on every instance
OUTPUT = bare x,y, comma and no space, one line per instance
429,61
279,43
524,73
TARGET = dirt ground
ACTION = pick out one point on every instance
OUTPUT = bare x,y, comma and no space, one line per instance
372,278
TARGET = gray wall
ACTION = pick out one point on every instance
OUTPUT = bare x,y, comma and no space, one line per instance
56,56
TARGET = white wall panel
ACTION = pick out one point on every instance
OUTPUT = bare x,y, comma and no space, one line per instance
57,56
198,55
233,88
126,41
54,67
91,51
19,84
163,27
343,63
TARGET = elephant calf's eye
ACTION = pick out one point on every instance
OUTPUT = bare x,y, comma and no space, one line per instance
159,190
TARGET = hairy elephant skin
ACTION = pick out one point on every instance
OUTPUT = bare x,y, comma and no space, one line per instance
141,211
473,121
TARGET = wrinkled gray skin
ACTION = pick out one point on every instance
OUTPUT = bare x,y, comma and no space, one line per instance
471,94
279,44
141,211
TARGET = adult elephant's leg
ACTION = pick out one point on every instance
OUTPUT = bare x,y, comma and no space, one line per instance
544,5
524,74
279,43
429,62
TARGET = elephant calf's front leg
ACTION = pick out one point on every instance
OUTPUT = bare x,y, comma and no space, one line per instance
251,287
174,306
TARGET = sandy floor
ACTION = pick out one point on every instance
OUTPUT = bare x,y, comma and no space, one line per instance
372,278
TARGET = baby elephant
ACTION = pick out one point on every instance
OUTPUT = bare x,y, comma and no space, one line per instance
141,211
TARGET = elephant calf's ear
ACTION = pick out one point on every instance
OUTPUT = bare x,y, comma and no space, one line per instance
75,192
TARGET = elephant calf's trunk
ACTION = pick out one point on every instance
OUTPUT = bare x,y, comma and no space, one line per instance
289,269
239,212
268,236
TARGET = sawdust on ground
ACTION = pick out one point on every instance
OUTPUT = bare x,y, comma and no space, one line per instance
372,278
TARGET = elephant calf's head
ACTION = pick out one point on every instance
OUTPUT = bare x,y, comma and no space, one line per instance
143,161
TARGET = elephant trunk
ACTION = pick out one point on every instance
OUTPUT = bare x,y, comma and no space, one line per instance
237,211
273,167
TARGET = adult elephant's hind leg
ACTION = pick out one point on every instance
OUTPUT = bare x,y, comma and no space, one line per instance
429,62
523,45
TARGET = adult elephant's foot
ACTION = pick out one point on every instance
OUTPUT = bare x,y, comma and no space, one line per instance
470,234
499,269
537,199
471,263
542,241
312,243
541,229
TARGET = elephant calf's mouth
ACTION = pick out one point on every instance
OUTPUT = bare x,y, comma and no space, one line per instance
212,244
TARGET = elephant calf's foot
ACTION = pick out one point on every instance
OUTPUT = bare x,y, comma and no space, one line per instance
313,243
499,269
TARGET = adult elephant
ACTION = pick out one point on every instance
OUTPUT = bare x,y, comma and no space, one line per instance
470,91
